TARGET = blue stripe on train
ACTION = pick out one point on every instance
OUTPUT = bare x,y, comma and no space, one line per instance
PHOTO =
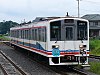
38,46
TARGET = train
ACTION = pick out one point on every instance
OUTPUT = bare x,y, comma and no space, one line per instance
63,40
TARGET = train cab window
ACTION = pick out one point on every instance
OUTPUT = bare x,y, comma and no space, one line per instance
55,31
82,30
69,33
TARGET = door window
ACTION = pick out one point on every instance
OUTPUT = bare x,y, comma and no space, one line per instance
69,33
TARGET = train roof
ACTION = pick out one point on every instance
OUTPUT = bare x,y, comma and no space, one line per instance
47,19
41,19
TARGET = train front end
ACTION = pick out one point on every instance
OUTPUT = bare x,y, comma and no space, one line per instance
68,41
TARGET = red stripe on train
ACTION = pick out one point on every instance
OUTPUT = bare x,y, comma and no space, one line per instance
50,53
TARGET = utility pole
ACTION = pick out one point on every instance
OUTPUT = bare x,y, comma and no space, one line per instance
78,8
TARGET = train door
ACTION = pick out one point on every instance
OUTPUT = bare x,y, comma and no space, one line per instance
69,38
69,30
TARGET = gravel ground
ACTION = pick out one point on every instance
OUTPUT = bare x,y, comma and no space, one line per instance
1,73
93,59
31,67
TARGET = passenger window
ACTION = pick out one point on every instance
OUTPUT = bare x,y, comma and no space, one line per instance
39,34
35,34
32,34
42,34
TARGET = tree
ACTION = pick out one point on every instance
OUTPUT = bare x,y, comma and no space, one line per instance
5,26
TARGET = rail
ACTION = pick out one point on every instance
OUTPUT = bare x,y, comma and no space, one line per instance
9,67
94,56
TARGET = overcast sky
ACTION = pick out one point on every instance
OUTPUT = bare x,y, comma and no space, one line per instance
18,10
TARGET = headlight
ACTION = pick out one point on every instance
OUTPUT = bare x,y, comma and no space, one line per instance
55,46
80,46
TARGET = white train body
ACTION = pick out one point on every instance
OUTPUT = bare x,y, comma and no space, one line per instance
64,41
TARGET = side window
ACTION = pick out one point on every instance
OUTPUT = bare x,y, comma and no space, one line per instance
14,33
17,33
45,35
29,34
25,34
42,34
39,34
33,34
21,33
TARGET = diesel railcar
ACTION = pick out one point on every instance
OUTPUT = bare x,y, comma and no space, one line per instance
63,40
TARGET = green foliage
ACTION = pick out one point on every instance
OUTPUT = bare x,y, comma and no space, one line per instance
95,47
2,37
95,67
5,26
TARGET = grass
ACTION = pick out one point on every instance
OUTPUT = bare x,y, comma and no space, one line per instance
95,50
95,47
2,37
95,67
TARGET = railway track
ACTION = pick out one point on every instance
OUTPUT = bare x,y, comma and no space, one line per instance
93,56
9,67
